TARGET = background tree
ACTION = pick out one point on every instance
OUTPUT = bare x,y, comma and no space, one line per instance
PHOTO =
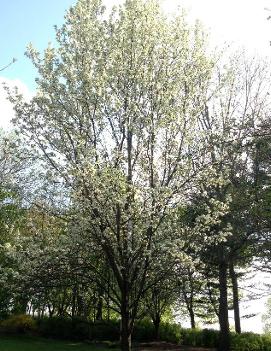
227,122
266,318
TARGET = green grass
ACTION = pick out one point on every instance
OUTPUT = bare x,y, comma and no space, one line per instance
39,344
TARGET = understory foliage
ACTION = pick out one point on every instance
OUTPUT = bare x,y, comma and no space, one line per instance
138,177
107,332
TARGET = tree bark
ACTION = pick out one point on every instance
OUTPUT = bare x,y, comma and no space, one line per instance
235,294
192,318
126,330
74,296
99,313
224,342
156,323
50,310
189,305
125,334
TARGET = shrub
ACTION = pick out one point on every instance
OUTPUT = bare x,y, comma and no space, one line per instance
80,329
170,332
191,337
266,339
18,324
55,327
239,342
143,331
250,342
64,328
104,330
210,338
201,338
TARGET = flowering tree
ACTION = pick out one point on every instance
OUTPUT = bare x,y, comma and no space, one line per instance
114,120
13,164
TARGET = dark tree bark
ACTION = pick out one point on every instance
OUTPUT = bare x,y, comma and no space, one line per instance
99,313
189,301
74,298
80,305
125,333
126,323
235,294
156,323
51,310
224,342
192,318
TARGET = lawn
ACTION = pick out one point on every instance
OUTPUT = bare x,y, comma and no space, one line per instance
38,344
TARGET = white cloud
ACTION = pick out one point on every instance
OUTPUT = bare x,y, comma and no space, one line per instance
6,109
242,22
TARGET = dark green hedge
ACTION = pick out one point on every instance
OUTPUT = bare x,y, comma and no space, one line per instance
250,342
78,329
200,338
144,332
210,338
66,328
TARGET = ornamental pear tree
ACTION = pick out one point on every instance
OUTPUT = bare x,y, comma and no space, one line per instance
13,165
114,120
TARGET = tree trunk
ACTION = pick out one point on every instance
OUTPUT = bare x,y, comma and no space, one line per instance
80,305
74,296
156,323
192,318
224,342
189,305
99,313
235,294
50,310
125,334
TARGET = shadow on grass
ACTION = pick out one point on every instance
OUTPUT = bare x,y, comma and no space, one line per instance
38,344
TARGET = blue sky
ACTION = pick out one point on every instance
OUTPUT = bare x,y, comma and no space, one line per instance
24,21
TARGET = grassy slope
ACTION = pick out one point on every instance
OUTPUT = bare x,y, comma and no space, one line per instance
37,344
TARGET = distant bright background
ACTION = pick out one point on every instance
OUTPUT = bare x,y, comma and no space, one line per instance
241,23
